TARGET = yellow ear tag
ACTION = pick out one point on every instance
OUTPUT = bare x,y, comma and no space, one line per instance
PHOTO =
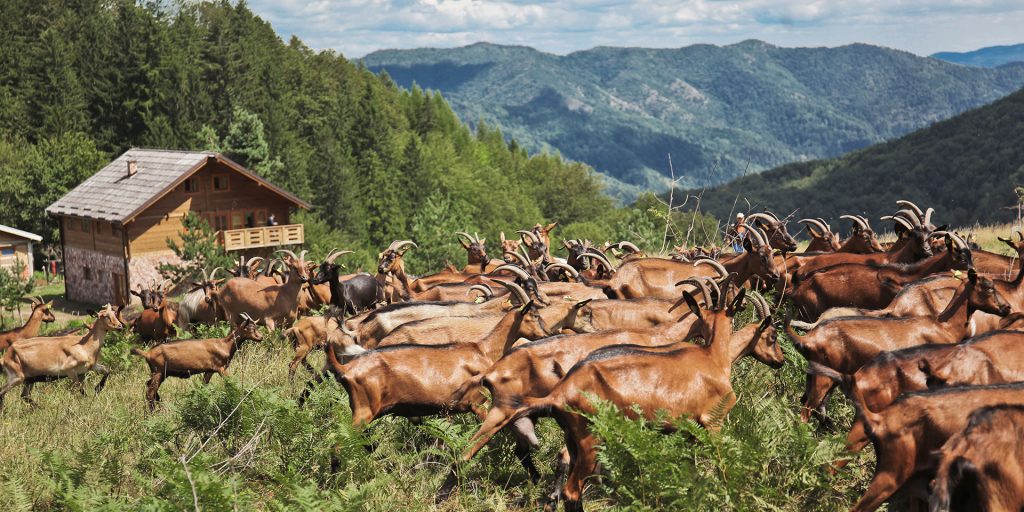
478,300
959,275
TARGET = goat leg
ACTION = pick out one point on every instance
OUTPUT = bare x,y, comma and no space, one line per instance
11,382
450,481
77,380
103,380
26,392
561,472
152,393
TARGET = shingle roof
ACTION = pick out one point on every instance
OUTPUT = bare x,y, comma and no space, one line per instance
112,195
19,233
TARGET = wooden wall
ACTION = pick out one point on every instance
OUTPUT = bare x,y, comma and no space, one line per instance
95,235
150,231
21,253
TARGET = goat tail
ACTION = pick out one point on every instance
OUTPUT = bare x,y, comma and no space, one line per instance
846,384
531,406
950,476
137,352
787,326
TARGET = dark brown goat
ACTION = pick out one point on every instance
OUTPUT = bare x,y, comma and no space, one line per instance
846,344
157,323
980,467
907,433
870,286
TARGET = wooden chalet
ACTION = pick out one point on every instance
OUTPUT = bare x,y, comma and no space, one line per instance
16,250
115,225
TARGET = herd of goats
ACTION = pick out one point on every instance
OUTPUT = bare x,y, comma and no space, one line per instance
922,335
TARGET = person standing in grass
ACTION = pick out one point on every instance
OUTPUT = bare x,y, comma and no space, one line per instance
737,233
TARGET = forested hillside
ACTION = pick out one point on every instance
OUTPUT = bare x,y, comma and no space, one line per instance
81,82
968,168
720,111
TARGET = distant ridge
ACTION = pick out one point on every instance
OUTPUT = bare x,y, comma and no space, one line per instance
719,110
966,168
988,57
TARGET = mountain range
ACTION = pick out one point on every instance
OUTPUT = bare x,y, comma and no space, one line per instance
720,111
969,168
988,57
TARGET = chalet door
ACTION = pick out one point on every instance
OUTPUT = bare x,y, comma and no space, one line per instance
119,289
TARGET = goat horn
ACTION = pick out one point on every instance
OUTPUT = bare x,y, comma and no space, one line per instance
826,224
928,216
755,216
722,272
465,235
302,254
907,204
959,241
164,283
247,317
213,273
909,215
1021,235
533,236
558,264
760,305
630,246
485,290
593,253
758,234
334,255
206,277
899,220
865,220
289,253
936,234
701,285
816,223
722,295
519,257
856,220
515,270
517,290
398,244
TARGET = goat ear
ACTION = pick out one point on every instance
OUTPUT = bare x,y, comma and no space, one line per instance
942,227
549,227
692,303
483,241
1007,241
746,245
972,275
737,302
464,244
767,322
91,312
581,303
526,307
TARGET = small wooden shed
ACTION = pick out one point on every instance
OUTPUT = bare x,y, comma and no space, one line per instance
16,250
115,225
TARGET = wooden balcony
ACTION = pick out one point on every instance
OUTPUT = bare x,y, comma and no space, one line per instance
265,236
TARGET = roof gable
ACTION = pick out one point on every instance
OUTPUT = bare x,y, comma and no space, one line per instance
20,234
112,195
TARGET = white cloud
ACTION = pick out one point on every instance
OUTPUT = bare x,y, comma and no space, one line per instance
357,27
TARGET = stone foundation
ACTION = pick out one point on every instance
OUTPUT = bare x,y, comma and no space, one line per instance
144,271
90,275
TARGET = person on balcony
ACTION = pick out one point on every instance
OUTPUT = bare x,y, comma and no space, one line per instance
271,220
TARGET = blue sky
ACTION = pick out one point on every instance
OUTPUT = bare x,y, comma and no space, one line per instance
357,27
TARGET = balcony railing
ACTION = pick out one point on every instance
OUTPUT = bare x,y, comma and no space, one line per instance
265,236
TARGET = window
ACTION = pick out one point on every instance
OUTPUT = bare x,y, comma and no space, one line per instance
87,225
87,273
7,251
220,222
115,230
221,183
192,185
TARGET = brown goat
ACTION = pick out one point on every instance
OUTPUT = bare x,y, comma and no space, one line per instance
690,381
157,323
846,344
476,254
272,304
656,277
871,286
32,359
185,358
980,467
40,313
534,369
989,359
775,230
417,380
906,434
822,237
391,268
608,314
313,332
